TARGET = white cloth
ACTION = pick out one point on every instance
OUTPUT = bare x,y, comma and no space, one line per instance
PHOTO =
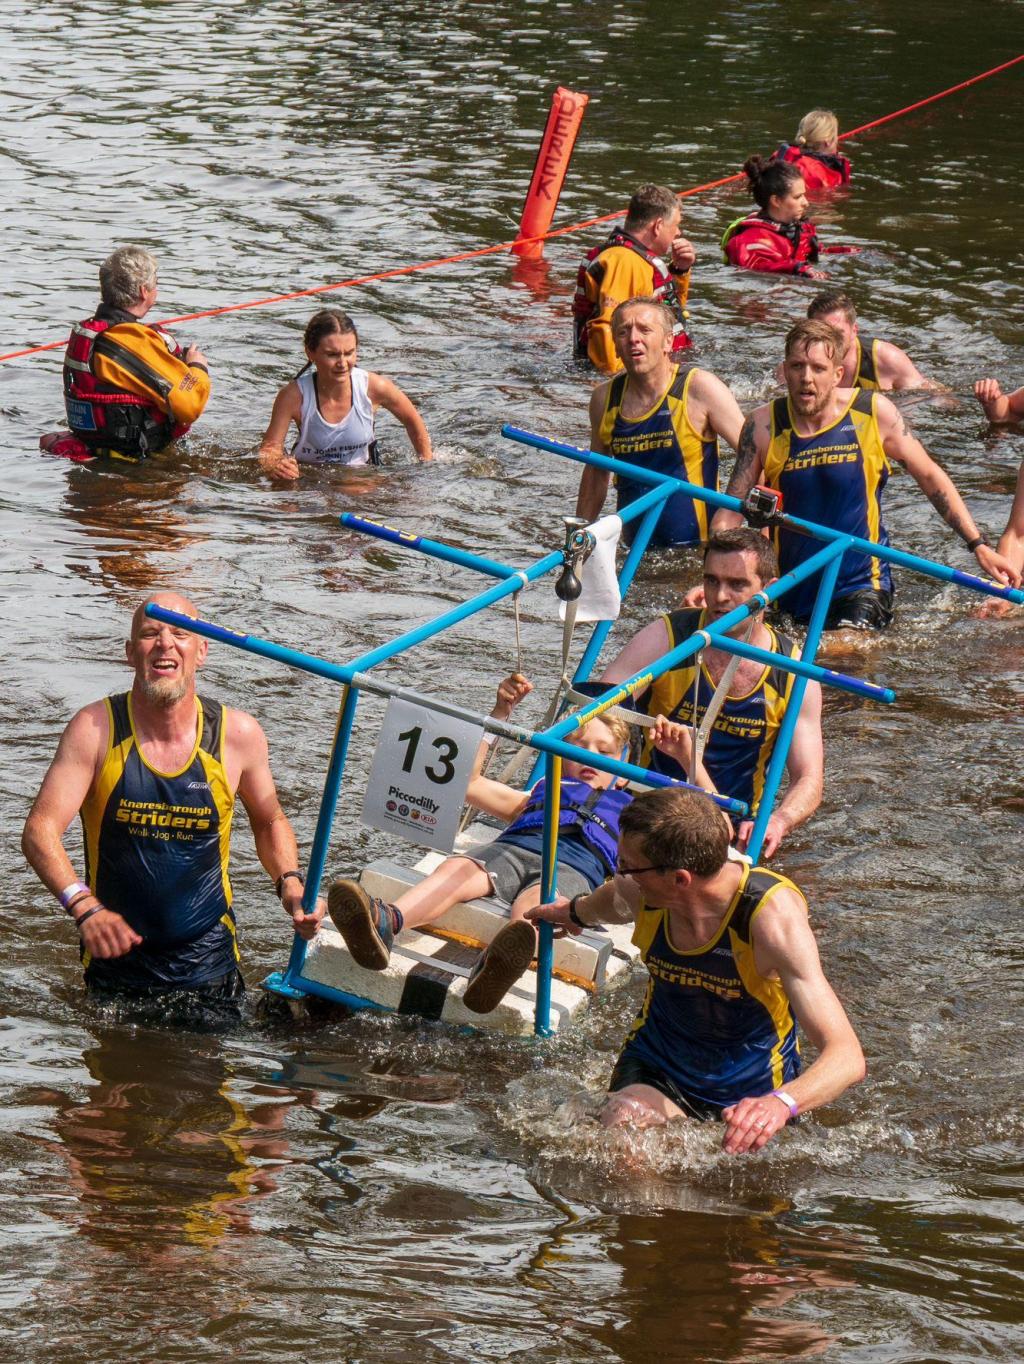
344,442
600,598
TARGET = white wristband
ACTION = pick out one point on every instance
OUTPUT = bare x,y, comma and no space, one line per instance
489,739
70,892
788,1100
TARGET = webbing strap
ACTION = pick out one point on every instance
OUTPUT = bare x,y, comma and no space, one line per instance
522,755
721,692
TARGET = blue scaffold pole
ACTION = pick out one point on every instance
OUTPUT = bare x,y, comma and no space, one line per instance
324,825
436,549
813,672
549,889
928,567
689,647
784,738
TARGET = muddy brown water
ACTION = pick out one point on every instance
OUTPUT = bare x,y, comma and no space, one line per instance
377,1188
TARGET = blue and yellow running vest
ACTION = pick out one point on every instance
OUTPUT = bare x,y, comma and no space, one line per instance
664,440
709,1021
156,852
867,365
835,478
742,738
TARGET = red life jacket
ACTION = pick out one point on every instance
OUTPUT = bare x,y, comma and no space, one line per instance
103,417
800,240
663,288
821,170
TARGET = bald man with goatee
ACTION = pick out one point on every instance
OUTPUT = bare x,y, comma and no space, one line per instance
153,773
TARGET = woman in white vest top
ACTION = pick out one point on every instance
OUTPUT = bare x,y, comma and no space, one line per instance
332,402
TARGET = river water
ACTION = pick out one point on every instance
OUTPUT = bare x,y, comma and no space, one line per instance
382,1189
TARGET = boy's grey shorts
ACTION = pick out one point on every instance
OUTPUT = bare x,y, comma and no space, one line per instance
513,869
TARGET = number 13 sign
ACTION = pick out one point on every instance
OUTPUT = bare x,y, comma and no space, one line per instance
420,773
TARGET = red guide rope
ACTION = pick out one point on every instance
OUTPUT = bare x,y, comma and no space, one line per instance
507,246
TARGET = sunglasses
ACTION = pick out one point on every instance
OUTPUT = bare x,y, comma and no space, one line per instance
637,871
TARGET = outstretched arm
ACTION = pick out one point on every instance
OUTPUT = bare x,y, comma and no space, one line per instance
1011,543
940,490
899,370
999,406
484,793
272,457
61,796
383,393
784,946
271,831
605,905
594,482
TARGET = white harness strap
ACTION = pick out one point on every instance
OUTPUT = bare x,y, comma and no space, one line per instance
718,699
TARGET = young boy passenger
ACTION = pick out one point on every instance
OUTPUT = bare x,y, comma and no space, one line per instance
511,866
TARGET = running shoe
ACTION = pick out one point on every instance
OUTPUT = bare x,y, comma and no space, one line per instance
366,922
500,966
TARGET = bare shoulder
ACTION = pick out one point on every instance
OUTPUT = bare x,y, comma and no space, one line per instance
599,394
782,923
243,736
894,364
86,733
645,646
705,384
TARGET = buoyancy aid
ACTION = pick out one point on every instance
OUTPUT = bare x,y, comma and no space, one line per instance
590,812
585,306
113,346
821,170
799,242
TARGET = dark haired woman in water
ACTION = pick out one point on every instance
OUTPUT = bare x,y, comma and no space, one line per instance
332,402
779,238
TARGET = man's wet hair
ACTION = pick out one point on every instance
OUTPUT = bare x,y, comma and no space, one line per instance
767,178
832,301
809,332
648,203
124,275
678,829
663,311
745,540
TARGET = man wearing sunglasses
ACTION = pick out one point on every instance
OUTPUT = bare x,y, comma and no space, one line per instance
733,963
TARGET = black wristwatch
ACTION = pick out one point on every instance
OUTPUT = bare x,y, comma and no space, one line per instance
573,916
982,539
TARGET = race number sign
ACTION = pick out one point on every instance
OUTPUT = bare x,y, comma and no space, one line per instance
420,773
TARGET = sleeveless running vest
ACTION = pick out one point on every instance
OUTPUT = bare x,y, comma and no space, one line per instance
586,812
867,365
836,478
156,852
349,441
586,300
743,736
710,1021
664,440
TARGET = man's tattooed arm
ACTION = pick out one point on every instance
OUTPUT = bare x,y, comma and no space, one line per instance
940,501
748,464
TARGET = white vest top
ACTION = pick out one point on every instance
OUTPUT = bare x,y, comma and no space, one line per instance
344,442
